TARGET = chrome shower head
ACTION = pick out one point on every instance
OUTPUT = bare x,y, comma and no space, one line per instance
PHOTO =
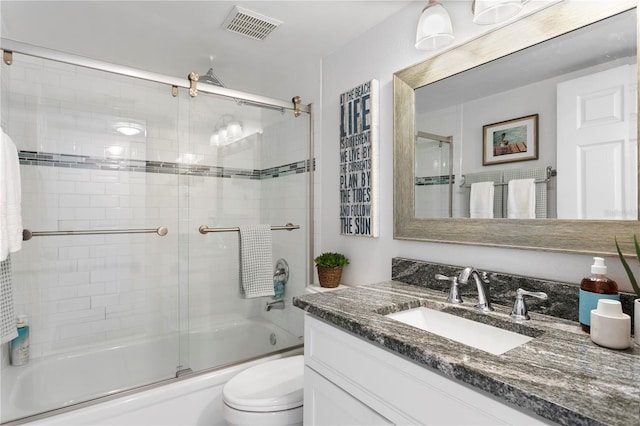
211,78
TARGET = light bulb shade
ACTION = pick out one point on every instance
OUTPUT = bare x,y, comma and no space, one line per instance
222,134
234,130
487,12
434,27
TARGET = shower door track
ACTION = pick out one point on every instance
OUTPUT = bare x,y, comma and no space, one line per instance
142,388
8,45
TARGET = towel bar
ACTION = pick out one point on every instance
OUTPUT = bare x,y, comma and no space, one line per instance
204,229
27,234
551,172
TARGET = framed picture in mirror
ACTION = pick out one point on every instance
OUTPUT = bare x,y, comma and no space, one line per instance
511,140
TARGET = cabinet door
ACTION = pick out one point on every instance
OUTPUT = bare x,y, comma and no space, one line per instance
327,404
397,389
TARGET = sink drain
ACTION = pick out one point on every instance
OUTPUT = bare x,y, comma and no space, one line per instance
272,338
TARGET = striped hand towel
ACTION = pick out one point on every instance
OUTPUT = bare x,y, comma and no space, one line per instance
256,277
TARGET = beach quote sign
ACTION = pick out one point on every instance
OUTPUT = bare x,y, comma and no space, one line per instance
359,127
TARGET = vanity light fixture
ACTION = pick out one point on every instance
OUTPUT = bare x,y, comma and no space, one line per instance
434,27
227,131
487,12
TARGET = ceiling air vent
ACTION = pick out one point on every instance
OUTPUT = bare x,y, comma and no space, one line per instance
249,23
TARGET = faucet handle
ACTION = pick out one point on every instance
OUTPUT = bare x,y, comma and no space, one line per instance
454,293
444,277
519,311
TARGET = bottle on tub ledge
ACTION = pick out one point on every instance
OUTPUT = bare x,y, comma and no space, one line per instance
19,347
593,288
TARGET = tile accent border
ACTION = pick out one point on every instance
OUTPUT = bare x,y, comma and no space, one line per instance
562,301
434,180
32,158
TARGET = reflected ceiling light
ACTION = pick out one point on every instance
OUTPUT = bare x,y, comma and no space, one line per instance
234,130
486,12
227,130
434,27
128,128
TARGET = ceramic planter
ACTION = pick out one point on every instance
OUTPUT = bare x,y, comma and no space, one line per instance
329,277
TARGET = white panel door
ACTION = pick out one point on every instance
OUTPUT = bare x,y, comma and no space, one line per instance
597,146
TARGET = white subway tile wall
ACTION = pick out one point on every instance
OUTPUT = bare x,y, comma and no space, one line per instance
78,173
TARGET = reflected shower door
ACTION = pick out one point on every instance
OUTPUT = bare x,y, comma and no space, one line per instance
433,176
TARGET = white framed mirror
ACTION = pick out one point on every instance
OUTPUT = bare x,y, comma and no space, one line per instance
426,94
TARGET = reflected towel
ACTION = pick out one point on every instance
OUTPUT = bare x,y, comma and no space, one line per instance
256,277
481,200
8,328
521,199
10,198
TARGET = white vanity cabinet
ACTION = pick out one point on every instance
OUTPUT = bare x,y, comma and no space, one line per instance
349,381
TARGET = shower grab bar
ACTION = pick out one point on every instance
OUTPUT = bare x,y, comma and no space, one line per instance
27,234
204,229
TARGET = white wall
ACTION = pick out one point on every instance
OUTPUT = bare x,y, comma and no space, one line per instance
379,53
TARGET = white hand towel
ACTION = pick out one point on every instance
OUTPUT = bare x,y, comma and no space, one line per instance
8,328
481,200
521,199
10,198
256,275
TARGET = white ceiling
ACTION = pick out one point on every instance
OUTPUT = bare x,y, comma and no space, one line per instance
177,37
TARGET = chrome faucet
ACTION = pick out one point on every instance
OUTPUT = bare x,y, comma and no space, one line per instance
277,304
482,283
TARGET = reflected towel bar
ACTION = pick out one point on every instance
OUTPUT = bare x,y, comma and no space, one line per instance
204,229
551,172
27,234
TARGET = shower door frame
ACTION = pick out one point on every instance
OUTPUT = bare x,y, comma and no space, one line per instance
9,47
12,46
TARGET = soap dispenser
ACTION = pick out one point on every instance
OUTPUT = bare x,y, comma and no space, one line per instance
19,346
593,288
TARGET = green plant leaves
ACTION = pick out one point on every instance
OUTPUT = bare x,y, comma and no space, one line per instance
632,278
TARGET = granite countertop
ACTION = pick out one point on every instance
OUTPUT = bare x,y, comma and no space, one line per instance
561,374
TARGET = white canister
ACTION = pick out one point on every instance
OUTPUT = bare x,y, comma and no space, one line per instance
610,327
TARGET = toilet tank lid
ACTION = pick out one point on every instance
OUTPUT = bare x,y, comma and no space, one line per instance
271,386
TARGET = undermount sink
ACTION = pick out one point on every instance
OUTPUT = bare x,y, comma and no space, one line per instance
481,336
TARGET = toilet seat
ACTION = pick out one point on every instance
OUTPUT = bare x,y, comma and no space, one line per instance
271,386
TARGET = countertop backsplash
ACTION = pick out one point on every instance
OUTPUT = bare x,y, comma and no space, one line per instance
562,301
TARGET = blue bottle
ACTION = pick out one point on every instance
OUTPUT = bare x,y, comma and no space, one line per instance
278,288
19,347
593,288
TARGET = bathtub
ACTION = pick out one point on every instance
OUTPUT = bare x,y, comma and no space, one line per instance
107,376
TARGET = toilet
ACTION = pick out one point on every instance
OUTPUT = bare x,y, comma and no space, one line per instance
266,394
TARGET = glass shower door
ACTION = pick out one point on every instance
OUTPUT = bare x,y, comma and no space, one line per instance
246,165
96,153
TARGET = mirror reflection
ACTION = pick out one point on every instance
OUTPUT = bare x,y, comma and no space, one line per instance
490,140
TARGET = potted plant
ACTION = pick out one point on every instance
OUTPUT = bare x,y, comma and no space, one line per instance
636,288
329,267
